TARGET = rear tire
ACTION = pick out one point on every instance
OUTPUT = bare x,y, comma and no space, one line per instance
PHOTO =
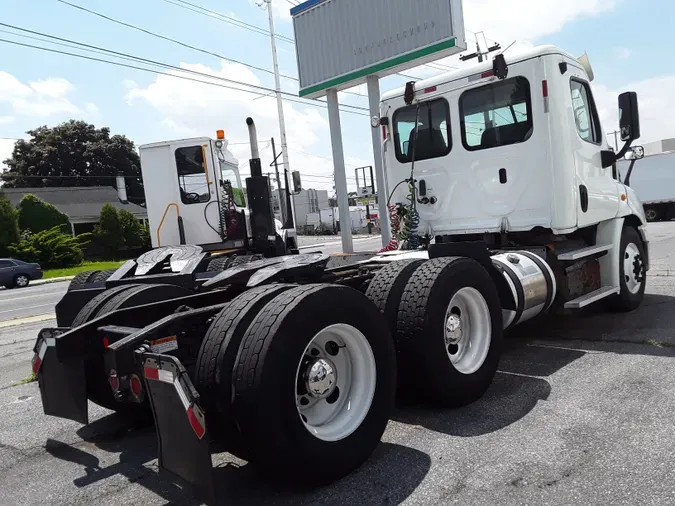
386,288
81,279
270,375
119,297
102,276
449,332
217,358
632,274
21,281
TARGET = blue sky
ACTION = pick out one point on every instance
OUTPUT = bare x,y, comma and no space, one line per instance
626,41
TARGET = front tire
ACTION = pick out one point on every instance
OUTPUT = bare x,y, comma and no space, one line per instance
329,346
652,214
632,273
449,332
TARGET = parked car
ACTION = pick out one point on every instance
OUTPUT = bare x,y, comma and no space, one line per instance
15,273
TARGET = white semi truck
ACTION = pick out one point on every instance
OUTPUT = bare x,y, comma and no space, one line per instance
504,204
653,180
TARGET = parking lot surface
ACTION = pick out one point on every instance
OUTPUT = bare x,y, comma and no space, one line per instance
580,413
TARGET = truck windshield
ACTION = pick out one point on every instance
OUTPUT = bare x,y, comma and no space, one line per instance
496,115
229,174
434,131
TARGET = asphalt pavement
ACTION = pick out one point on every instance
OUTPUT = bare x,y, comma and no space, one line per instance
30,301
580,413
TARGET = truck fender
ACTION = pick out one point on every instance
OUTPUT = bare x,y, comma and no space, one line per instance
609,232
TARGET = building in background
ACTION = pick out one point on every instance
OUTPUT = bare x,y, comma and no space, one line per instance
81,205
306,202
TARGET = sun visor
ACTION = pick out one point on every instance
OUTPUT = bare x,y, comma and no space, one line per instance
586,64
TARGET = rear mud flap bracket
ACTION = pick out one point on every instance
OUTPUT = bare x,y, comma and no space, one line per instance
182,437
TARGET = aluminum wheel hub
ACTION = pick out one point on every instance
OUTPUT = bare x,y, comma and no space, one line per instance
321,378
633,268
453,330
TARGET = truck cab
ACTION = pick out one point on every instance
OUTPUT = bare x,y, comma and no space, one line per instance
194,195
506,154
511,153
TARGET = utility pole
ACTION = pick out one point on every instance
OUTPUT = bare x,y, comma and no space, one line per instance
281,194
616,139
277,83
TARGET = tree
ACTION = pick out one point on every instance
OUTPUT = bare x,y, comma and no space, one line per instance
108,230
37,215
77,154
51,248
9,225
135,234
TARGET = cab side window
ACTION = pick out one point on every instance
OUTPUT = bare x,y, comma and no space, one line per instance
585,112
433,130
497,114
191,166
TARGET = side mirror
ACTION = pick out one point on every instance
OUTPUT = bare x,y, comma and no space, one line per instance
638,153
629,116
297,183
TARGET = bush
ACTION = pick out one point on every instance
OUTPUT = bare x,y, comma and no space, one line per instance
108,230
135,234
37,215
9,225
51,248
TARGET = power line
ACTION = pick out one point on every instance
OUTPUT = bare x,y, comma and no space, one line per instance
163,37
168,66
227,19
212,14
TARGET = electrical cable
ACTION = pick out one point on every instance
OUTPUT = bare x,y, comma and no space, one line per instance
315,103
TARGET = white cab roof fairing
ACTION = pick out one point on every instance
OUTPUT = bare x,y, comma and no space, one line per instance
470,70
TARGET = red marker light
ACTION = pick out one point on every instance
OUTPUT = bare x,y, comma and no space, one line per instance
136,385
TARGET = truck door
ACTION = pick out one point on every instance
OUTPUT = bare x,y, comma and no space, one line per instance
197,193
598,194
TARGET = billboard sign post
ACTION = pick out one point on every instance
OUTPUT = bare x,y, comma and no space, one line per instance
344,43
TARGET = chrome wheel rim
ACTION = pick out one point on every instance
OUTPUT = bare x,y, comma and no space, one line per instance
22,281
468,330
335,382
633,268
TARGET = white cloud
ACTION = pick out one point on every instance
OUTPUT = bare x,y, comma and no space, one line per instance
656,102
191,109
44,98
6,148
623,52
6,120
528,19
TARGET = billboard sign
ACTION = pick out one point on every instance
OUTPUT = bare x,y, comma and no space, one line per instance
341,42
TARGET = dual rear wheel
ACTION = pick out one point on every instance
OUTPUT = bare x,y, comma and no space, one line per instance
292,376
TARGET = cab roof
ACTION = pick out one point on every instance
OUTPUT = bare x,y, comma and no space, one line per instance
469,70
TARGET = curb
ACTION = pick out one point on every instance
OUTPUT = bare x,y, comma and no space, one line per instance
51,280
21,320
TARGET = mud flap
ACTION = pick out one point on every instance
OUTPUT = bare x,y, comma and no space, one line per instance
62,384
182,438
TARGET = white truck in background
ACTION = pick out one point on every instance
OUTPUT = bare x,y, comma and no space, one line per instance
653,179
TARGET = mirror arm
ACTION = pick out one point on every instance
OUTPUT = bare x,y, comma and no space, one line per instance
624,150
630,171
